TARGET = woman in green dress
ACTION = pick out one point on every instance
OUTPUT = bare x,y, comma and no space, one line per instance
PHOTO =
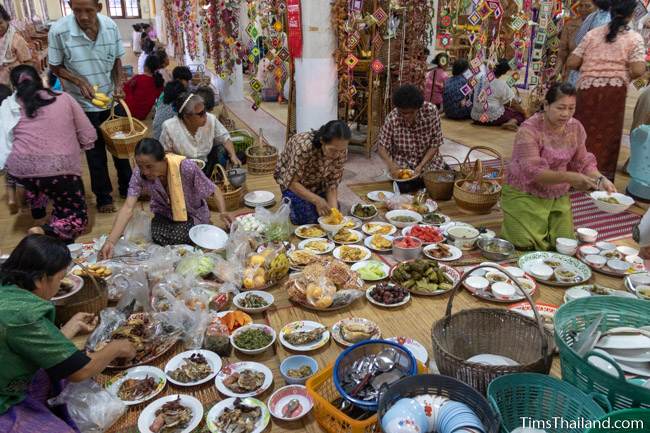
35,355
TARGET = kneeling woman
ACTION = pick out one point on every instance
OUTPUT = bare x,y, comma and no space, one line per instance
548,158
310,169
178,190
35,355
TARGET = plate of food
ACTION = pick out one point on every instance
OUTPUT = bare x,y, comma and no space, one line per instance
238,415
97,270
253,339
317,246
348,332
380,196
310,231
496,286
403,175
426,233
555,269
352,223
547,311
425,277
598,290
371,270
379,243
442,252
347,236
70,285
298,259
388,295
611,202
243,379
378,228
193,367
352,253
364,211
175,413
417,349
608,259
304,336
435,219
137,385
234,320
253,302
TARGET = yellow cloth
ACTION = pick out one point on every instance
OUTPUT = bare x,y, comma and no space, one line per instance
175,187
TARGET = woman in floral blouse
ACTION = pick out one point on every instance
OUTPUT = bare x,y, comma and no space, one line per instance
548,158
608,58
310,170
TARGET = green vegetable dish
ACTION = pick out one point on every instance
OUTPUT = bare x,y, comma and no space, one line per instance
404,219
422,276
254,338
253,301
372,271
363,211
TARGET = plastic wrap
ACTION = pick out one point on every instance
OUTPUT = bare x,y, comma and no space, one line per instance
266,267
91,407
109,320
217,337
277,227
195,264
187,315
138,231
128,284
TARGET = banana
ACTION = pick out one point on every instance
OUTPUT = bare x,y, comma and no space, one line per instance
102,97
98,103
279,267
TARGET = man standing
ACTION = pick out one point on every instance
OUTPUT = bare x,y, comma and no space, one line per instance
411,136
84,51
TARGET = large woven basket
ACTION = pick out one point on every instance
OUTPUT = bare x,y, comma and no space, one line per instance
92,298
459,336
231,195
199,76
475,201
574,317
487,171
261,158
440,183
541,398
132,131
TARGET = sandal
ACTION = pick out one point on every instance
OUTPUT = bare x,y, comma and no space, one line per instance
106,208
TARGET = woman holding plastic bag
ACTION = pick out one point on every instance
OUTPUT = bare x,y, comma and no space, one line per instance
178,190
36,355
310,169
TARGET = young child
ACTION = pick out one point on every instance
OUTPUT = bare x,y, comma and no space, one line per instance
142,90
435,83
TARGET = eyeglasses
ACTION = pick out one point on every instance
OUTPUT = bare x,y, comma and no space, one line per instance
200,113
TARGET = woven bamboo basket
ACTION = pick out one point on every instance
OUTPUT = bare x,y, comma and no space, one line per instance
231,195
92,298
488,172
440,183
199,77
459,336
133,130
261,158
476,201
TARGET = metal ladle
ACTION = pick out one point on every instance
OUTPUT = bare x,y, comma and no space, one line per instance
384,361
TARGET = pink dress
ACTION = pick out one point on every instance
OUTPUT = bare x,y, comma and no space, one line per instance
538,148
434,85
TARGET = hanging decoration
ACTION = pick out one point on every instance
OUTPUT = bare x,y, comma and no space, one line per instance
294,30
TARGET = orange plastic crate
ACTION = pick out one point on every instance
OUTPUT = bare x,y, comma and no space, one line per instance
331,419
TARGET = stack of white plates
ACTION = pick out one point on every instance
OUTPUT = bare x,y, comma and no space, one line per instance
259,198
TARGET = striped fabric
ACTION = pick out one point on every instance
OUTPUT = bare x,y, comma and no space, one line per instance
69,46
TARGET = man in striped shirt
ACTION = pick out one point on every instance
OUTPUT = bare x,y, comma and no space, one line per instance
84,51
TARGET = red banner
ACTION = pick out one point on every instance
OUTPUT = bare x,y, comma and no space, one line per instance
294,30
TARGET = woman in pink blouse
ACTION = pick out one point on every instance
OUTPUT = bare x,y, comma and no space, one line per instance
548,158
435,80
608,58
49,132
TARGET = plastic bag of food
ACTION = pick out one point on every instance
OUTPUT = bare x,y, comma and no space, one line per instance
161,263
195,264
109,320
266,267
320,293
277,227
138,230
217,337
91,407
190,323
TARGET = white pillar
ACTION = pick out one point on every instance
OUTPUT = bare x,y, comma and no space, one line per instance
315,72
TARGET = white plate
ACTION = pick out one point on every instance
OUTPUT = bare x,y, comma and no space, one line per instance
259,197
330,245
218,409
298,230
352,219
368,243
148,415
381,304
336,330
254,205
416,348
374,196
303,326
490,359
240,297
624,342
213,359
208,237
140,372
630,355
356,232
77,284
238,367
366,253
366,228
360,265
456,253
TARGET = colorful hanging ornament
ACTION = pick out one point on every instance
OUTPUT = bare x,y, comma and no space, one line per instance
255,84
277,26
472,38
283,54
517,23
351,61
466,89
380,16
444,40
490,76
474,18
377,66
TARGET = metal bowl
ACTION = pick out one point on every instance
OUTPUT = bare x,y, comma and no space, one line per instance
237,176
505,248
406,363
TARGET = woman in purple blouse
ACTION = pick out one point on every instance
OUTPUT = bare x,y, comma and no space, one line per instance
155,174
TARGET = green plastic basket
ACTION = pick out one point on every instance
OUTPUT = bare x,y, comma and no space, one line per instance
623,421
574,317
539,397
241,139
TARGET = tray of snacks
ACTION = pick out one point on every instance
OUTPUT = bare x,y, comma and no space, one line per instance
348,332
609,259
379,243
555,269
493,285
137,384
317,246
424,277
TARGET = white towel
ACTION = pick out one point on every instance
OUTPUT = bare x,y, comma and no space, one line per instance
9,118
